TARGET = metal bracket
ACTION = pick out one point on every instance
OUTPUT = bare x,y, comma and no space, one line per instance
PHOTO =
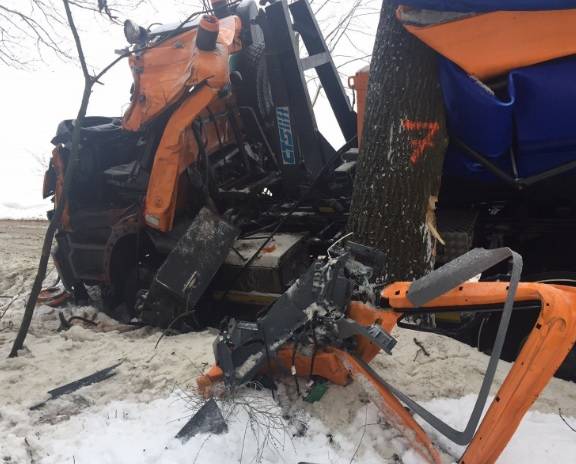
434,285
375,333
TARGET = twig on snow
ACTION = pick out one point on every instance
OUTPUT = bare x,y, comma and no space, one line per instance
201,446
29,451
265,422
362,436
420,348
4,309
565,421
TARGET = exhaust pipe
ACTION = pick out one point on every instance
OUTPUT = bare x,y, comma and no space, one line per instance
207,33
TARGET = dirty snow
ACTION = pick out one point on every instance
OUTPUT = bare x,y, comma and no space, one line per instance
132,417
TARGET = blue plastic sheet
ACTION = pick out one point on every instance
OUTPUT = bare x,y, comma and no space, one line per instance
489,5
482,120
536,117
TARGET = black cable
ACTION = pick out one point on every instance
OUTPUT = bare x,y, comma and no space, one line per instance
262,134
565,421
207,172
205,6
213,120
296,343
315,347
268,358
174,321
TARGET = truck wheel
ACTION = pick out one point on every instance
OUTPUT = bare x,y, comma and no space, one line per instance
136,280
254,89
119,301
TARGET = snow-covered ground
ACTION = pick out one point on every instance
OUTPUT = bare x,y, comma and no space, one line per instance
133,416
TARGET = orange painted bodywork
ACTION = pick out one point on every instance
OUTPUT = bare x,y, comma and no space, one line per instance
491,44
177,150
394,413
208,381
60,169
359,83
177,71
165,73
550,341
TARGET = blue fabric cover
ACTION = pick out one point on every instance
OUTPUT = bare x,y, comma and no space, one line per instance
480,119
489,5
537,119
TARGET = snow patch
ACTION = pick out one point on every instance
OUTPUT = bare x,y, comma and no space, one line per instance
541,438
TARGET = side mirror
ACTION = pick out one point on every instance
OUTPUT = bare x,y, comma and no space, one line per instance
133,32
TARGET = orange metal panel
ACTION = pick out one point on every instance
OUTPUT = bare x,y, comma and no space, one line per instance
326,365
60,168
490,44
169,71
164,72
359,83
170,159
477,293
550,341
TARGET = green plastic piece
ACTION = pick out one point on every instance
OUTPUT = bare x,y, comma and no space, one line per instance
316,392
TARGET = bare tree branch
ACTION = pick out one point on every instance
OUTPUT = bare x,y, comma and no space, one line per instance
55,222
61,205
336,28
29,28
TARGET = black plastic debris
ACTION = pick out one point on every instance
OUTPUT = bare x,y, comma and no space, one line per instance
77,384
208,419
189,268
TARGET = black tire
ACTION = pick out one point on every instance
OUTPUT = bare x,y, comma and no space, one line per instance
111,299
119,301
254,90
136,280
119,296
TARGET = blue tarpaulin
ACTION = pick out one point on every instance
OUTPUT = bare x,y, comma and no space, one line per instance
489,5
536,117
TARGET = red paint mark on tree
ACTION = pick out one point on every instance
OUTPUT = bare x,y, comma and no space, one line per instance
420,144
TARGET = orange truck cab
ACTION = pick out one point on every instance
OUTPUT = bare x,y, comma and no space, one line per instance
168,204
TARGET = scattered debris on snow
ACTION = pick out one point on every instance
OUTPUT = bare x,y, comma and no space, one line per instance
134,416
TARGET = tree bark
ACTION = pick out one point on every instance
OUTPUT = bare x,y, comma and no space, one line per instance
402,153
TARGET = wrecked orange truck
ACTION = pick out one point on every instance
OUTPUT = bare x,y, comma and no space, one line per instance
215,200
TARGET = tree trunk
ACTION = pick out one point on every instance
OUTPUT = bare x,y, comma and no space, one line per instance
400,163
